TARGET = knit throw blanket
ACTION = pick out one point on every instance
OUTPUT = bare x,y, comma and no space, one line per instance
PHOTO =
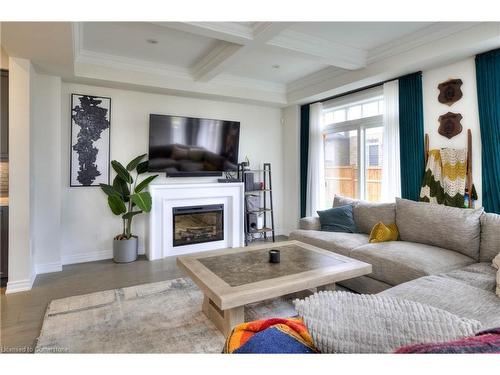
444,179
270,336
483,342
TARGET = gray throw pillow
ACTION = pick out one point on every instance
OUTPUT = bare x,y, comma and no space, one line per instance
451,228
367,214
337,219
341,322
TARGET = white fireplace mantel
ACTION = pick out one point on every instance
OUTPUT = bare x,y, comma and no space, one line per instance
169,195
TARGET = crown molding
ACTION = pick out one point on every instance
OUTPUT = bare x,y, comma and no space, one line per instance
427,35
315,78
127,63
113,70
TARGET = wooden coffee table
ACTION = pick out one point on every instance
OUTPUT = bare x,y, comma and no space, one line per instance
232,278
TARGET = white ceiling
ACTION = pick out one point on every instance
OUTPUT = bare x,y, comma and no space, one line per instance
363,35
183,49
129,39
275,63
276,66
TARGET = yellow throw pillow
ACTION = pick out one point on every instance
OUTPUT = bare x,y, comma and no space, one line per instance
383,233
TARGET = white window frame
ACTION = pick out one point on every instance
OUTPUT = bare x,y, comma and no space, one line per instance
360,125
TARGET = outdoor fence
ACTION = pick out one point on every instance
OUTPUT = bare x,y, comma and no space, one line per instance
343,180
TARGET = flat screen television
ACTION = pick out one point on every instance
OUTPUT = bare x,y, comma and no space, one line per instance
188,146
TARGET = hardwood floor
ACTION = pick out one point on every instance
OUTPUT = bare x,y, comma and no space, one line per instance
22,313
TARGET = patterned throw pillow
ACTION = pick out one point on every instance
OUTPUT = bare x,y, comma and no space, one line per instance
496,264
383,233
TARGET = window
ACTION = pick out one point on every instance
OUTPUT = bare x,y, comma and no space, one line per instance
373,155
353,141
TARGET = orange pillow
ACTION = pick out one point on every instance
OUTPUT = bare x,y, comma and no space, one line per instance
383,233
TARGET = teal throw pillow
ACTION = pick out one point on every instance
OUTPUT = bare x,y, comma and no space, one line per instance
338,219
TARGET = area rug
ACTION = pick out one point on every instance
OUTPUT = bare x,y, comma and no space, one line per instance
162,317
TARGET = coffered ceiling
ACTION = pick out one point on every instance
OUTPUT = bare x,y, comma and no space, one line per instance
275,63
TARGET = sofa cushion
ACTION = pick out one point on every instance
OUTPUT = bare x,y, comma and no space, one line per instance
432,224
398,261
338,242
478,275
452,295
367,214
490,237
338,219
310,223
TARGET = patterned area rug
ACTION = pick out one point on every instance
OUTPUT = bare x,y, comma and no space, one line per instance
163,317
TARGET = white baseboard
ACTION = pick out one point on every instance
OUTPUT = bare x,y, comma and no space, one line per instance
20,285
48,267
90,256
86,257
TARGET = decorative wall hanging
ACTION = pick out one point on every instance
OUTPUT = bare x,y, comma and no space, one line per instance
450,91
90,141
449,124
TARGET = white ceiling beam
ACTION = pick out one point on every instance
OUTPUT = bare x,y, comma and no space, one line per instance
231,32
265,31
322,50
214,62
219,58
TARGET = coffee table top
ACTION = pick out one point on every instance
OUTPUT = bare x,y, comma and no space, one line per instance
238,276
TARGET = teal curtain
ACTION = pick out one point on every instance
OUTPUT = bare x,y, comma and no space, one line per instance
304,156
488,97
411,135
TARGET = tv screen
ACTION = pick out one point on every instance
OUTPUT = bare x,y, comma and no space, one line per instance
183,146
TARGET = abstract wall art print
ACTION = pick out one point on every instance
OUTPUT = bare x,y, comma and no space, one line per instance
90,139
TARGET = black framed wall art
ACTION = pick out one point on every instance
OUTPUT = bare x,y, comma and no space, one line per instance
90,140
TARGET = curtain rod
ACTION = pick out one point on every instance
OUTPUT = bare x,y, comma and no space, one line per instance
358,90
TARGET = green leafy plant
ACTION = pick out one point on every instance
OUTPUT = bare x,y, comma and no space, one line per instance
126,196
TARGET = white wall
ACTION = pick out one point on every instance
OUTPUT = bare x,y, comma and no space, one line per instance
88,226
467,107
46,173
21,265
291,166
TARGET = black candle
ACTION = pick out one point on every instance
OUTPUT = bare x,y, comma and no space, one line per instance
274,256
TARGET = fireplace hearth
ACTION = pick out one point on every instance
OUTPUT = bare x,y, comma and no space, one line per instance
198,224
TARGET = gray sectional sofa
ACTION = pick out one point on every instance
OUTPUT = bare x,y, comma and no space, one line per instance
443,257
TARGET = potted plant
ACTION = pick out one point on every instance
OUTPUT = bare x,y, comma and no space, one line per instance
127,198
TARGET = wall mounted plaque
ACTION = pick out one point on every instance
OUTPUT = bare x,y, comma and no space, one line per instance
450,91
449,124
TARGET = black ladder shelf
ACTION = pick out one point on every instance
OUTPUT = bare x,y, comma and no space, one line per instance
266,208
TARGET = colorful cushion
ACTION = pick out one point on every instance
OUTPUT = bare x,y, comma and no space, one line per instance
274,336
484,342
338,219
383,233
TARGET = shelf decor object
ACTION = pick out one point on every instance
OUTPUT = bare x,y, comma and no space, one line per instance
449,124
259,214
450,91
